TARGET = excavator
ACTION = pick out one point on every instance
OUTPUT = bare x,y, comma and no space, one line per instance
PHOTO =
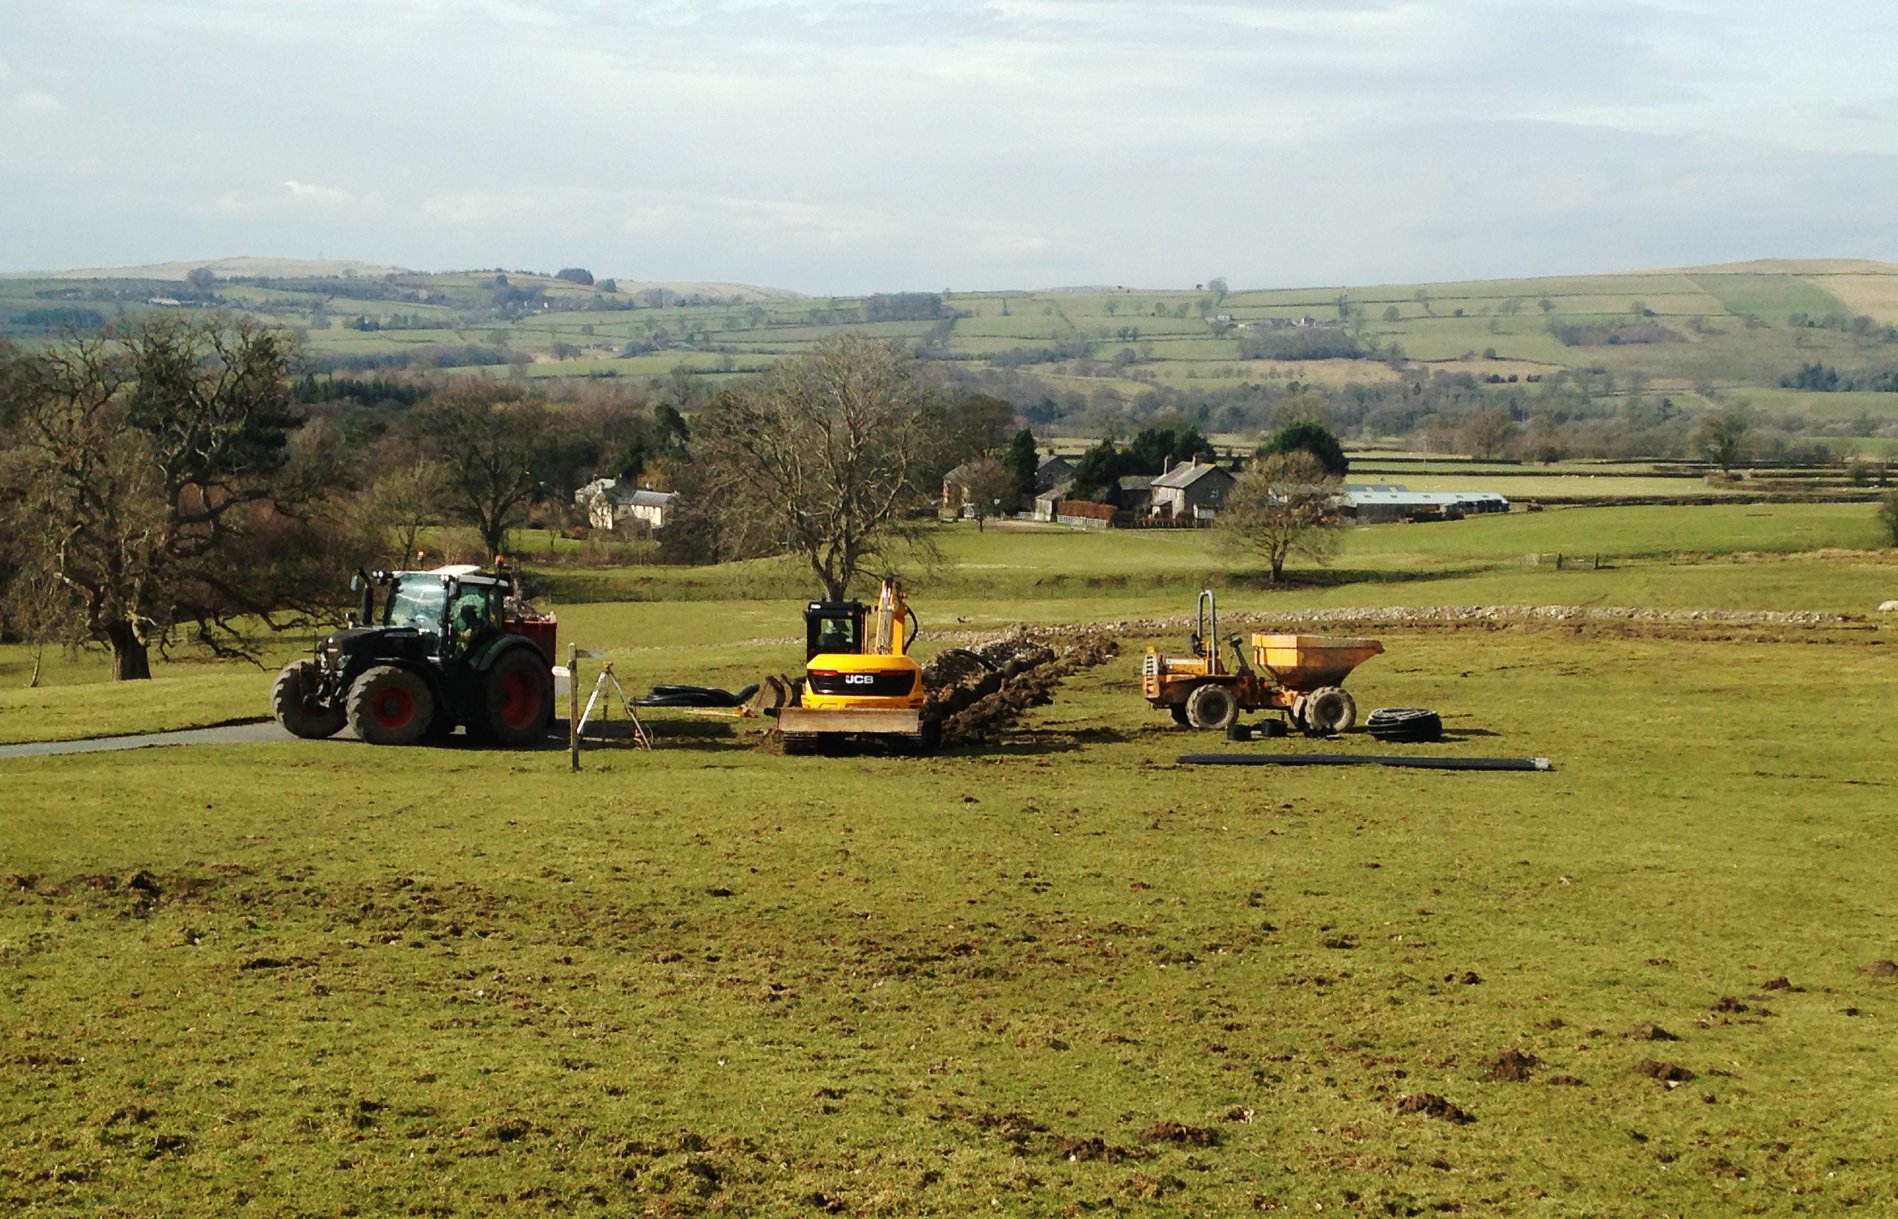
859,681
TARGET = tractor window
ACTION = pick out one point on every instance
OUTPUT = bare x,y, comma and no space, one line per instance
474,610
418,603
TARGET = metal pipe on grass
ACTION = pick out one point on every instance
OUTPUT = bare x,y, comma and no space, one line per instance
1362,759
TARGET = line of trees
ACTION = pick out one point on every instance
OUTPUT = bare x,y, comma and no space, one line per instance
185,479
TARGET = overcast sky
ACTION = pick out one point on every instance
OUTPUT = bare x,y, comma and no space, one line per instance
850,146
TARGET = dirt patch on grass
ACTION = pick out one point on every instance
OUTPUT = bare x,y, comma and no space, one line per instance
1647,1030
1666,1072
1880,969
1510,1066
1174,1132
1431,1105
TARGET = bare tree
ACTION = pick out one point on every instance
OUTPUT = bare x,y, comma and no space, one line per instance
153,487
486,439
989,488
1283,505
828,455
404,502
1486,433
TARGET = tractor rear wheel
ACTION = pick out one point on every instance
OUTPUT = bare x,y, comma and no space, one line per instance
1211,708
293,701
516,699
390,706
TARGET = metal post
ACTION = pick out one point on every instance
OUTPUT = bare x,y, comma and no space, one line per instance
573,708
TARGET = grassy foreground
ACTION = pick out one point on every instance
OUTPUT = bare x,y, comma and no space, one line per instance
1059,976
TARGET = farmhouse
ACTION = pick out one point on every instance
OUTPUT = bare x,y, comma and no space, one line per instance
611,502
1191,489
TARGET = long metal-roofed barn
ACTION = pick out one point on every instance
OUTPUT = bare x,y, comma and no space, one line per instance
1377,503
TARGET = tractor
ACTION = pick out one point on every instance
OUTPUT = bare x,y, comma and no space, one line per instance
453,646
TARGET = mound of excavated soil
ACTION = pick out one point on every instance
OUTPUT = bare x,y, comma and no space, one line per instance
979,692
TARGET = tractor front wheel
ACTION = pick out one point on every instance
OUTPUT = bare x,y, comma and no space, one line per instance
293,701
516,700
390,706
1211,708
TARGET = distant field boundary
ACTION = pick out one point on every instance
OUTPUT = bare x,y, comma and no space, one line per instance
1854,496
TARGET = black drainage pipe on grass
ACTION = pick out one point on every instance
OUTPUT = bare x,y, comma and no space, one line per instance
1362,759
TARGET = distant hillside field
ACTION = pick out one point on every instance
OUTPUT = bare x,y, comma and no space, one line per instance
1812,344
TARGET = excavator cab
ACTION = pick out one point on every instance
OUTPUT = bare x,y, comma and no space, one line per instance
835,627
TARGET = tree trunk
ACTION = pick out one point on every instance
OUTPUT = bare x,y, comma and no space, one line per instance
39,654
131,661
495,539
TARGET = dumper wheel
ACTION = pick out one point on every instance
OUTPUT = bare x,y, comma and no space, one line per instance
516,699
1211,708
1329,711
1178,712
293,701
390,706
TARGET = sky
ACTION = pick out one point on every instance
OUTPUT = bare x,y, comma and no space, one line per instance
852,146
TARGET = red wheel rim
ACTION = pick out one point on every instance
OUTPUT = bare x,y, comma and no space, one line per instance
394,707
520,699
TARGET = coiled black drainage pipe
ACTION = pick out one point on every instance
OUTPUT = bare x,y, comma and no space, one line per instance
1362,759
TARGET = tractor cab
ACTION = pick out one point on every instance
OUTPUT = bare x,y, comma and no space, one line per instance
834,627
454,609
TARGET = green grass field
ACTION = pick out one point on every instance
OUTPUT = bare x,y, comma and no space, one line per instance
1058,975
1062,974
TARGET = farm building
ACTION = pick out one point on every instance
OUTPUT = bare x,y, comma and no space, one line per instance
611,503
1133,492
1376,503
1051,472
1047,501
1193,488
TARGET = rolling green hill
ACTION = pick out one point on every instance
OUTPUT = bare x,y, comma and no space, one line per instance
1691,337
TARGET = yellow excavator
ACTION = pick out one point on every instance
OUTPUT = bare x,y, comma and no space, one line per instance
858,679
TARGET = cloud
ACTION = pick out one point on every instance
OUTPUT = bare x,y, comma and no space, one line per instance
35,102
857,144
288,199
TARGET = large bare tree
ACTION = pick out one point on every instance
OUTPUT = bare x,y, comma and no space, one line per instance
150,488
829,455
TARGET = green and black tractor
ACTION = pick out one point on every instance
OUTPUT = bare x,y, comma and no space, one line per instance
453,647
